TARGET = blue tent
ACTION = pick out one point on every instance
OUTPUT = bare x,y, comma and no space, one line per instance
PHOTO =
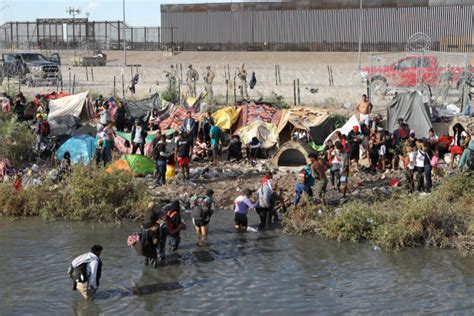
81,148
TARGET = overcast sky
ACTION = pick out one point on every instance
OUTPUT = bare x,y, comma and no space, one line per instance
138,12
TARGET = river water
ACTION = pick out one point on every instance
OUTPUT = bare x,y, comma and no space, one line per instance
230,273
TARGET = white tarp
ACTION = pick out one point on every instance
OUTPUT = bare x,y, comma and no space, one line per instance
353,121
70,105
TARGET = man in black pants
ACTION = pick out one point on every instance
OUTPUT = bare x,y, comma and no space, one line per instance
265,202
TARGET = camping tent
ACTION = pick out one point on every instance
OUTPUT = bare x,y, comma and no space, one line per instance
265,132
226,117
409,107
353,121
81,148
71,105
138,164
316,123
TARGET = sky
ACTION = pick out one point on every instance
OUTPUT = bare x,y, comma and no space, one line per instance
138,12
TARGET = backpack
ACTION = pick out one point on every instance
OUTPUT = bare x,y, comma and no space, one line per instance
45,129
470,159
307,176
79,273
197,211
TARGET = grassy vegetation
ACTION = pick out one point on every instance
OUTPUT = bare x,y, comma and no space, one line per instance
16,139
339,119
444,219
87,193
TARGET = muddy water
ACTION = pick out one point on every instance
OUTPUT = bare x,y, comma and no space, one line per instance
232,274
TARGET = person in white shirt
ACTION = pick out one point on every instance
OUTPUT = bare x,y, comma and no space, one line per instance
85,270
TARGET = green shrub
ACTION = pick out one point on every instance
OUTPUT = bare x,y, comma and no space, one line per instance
170,95
445,219
339,119
16,140
87,193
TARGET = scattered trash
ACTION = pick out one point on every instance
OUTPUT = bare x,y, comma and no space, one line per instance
376,248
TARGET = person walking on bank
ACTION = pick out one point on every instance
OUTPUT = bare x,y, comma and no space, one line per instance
242,75
192,76
265,202
138,137
208,80
85,271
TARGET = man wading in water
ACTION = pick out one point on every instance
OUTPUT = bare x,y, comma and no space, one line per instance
85,271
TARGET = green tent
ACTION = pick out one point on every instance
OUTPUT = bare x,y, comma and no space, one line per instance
139,164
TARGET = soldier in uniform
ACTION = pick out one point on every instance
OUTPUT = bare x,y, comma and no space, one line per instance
242,75
208,80
171,76
192,77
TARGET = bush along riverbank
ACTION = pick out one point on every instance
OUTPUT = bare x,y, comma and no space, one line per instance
443,219
86,193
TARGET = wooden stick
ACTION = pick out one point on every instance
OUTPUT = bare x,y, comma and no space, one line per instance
279,75
226,90
276,75
114,86
74,84
70,81
123,86
294,91
299,96
87,74
92,73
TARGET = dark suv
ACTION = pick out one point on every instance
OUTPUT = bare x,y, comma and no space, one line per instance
32,68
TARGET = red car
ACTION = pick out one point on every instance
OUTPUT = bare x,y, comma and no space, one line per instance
412,71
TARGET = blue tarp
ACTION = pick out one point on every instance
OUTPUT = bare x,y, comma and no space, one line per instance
81,148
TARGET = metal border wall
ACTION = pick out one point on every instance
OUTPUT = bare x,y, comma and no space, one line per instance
57,34
384,29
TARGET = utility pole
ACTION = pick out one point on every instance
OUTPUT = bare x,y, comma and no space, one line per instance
360,34
73,12
124,36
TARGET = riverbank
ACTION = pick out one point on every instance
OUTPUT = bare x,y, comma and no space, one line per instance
443,219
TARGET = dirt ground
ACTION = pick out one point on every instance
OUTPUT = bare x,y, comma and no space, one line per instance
311,68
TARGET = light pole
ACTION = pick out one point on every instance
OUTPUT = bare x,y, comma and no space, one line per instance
73,12
124,35
360,34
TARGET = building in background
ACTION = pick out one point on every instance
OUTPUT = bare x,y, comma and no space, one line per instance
323,25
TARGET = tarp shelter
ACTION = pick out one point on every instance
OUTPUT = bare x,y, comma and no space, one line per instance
226,117
81,148
86,129
265,132
71,105
63,125
192,104
138,164
175,121
353,121
409,107
316,123
140,109
50,96
251,111
122,138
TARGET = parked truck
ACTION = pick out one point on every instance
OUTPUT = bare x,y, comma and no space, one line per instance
413,71
33,69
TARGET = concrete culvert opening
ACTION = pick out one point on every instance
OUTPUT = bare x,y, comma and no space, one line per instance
291,158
